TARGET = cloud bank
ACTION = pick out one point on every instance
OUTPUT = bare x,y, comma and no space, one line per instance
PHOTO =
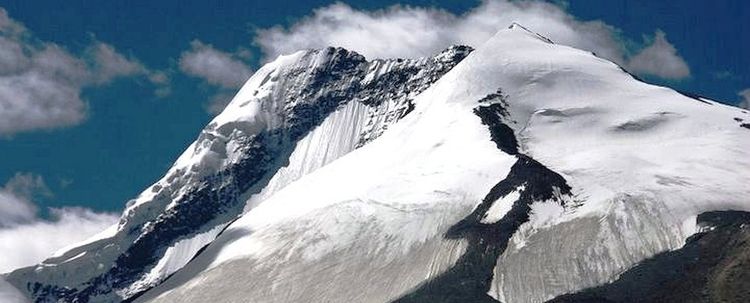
405,31
226,71
41,82
410,32
19,222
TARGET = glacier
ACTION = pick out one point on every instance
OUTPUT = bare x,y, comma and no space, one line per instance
520,171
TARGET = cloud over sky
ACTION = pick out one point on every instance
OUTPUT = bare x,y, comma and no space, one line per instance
404,31
227,71
410,31
109,64
745,102
216,67
16,196
660,59
41,82
20,221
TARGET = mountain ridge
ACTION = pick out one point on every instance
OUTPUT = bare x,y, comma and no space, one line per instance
236,146
520,66
549,146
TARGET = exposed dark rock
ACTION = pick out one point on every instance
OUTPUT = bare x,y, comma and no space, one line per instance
695,97
470,278
493,115
400,84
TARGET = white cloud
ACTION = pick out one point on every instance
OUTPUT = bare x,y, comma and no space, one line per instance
41,82
745,94
214,66
660,59
16,196
109,64
219,101
408,31
39,86
222,70
66,226
14,210
404,31
19,222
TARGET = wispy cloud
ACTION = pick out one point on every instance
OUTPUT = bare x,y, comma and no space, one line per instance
215,66
724,74
16,196
19,222
109,64
41,82
405,31
660,59
745,102
224,70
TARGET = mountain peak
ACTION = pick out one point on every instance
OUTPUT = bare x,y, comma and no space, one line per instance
518,26
293,116
331,178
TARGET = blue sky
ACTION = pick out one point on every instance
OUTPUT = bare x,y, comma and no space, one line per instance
138,115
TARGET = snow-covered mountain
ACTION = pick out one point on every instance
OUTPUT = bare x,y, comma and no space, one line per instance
522,171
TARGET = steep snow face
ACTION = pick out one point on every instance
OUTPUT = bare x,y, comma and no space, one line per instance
380,210
291,118
643,162
600,171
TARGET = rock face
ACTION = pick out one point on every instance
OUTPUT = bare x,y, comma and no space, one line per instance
522,171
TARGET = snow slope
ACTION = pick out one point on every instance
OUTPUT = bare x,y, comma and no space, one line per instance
641,162
521,172
9,294
292,117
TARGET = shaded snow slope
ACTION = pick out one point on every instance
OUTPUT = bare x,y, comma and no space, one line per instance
710,267
639,163
292,117
9,294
